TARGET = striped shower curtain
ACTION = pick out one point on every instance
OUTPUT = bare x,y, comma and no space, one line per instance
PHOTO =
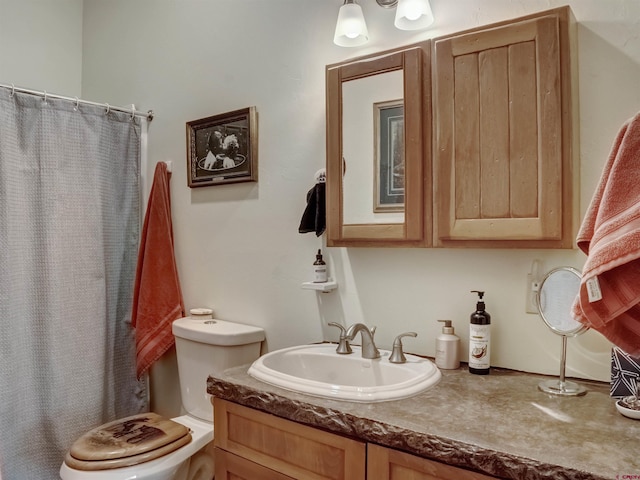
69,230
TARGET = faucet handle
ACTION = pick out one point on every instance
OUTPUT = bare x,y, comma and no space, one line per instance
397,355
343,346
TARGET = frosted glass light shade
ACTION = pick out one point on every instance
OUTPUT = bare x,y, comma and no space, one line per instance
351,29
413,14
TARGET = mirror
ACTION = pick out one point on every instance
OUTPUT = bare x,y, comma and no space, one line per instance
378,149
556,294
373,195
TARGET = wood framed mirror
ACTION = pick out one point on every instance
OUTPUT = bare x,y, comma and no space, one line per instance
379,149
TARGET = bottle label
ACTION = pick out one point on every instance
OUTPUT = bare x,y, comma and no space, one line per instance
320,273
479,346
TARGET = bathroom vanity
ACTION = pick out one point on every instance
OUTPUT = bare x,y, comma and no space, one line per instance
466,427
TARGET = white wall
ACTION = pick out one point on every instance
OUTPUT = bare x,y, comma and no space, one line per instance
41,45
237,245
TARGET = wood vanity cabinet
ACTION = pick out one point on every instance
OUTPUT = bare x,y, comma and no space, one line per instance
505,139
253,445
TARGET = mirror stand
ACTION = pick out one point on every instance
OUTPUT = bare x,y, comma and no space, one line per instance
555,298
562,386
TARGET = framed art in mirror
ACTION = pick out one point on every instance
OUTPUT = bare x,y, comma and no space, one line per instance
223,149
388,185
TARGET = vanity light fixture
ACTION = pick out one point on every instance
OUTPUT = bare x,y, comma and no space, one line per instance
351,29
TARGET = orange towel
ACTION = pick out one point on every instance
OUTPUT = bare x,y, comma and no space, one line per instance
609,298
157,297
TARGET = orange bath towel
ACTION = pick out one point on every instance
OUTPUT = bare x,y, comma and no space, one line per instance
609,298
157,297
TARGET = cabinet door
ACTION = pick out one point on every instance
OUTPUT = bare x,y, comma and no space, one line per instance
387,464
232,467
292,449
504,138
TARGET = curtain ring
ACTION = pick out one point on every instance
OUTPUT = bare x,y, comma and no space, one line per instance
13,90
45,97
77,107
108,109
133,111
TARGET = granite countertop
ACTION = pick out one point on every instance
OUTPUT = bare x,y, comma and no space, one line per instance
499,424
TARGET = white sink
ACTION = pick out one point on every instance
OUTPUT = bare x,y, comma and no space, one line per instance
318,370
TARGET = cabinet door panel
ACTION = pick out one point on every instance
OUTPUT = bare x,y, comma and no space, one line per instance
504,147
287,447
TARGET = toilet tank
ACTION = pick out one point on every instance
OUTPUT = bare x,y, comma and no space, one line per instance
205,347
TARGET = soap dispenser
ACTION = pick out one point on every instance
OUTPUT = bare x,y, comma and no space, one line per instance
447,347
480,338
319,269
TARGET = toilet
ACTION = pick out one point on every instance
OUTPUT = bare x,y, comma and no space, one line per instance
149,447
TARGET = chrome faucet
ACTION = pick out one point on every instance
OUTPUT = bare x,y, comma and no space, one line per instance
369,349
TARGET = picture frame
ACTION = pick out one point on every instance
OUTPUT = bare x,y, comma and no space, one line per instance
223,149
388,182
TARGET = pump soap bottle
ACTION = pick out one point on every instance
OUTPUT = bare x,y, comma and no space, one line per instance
319,269
447,348
480,338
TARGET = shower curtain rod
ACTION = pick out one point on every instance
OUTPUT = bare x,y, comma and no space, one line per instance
44,94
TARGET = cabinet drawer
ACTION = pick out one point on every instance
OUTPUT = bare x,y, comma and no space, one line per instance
292,449
388,464
232,467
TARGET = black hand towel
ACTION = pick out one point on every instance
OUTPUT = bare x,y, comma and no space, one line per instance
314,216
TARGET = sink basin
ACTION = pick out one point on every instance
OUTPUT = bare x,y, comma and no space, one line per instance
318,370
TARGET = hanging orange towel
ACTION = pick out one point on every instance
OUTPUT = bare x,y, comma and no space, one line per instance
157,297
609,298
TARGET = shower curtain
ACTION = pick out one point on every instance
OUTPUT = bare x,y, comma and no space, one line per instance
69,230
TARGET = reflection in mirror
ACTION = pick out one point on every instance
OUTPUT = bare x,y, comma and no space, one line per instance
379,149
373,184
556,294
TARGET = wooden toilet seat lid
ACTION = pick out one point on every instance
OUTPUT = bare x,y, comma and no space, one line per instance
127,441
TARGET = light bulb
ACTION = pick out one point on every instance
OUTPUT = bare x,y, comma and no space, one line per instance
413,14
351,29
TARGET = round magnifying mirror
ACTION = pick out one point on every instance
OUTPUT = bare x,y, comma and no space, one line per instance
556,295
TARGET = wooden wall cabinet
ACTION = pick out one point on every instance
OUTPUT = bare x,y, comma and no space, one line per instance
505,138
253,445
504,170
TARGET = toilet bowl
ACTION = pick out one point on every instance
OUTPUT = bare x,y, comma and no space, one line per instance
150,447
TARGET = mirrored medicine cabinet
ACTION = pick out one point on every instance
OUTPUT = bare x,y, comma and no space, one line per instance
378,148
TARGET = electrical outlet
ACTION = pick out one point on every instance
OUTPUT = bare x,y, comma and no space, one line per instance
533,284
532,294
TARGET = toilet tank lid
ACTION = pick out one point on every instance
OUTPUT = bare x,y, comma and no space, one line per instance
217,332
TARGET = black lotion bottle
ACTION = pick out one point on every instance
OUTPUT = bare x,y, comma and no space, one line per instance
480,339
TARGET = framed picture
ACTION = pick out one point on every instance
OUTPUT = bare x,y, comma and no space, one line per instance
223,149
388,182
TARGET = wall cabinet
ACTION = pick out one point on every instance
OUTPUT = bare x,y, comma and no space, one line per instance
503,106
499,140
253,445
